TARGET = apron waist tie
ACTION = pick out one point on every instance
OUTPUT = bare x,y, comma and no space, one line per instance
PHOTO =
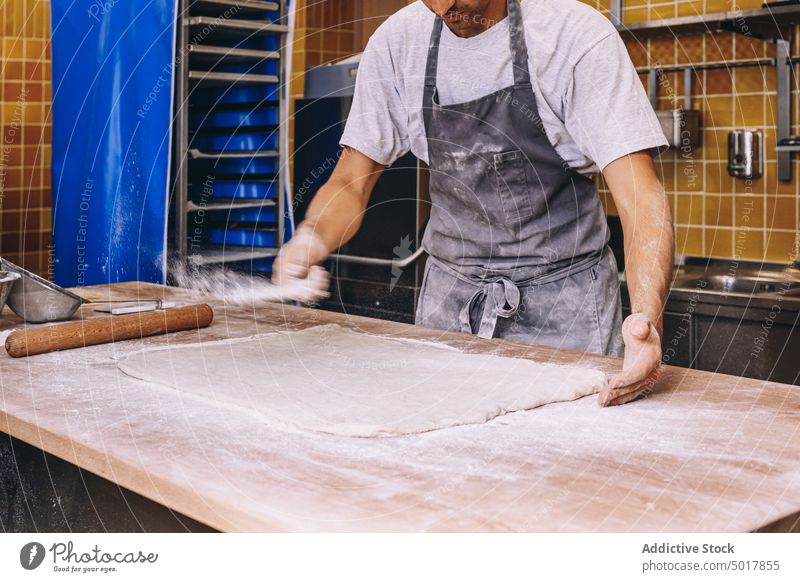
502,296
502,299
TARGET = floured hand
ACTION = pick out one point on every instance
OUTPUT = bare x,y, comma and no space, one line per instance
303,251
240,289
309,289
642,365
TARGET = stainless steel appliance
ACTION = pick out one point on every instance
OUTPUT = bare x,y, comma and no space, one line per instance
745,154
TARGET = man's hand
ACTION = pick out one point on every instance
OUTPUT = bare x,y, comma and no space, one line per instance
296,267
642,365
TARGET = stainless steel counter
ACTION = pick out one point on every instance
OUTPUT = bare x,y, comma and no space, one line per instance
737,318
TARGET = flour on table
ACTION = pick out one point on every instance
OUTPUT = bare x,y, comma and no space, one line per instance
334,380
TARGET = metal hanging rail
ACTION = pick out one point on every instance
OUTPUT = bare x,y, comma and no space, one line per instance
766,62
242,6
236,26
201,155
232,205
211,77
216,54
230,255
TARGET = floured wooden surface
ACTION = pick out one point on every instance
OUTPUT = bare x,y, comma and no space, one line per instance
331,379
705,453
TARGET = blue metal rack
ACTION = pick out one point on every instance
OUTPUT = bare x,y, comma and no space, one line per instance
229,205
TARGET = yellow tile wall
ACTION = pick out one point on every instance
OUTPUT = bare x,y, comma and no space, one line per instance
716,215
323,34
25,133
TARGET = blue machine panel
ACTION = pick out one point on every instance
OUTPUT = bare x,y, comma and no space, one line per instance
112,111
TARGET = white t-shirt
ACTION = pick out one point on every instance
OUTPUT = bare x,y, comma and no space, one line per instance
592,104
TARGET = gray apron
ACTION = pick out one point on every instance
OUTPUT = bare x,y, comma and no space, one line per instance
518,241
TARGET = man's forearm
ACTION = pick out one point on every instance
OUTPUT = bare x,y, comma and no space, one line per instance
335,214
337,210
649,254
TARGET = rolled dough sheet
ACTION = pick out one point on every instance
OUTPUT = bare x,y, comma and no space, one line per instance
334,380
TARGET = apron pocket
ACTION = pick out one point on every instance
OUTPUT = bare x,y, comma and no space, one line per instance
512,186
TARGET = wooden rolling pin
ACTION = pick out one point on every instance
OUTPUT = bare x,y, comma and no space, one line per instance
103,330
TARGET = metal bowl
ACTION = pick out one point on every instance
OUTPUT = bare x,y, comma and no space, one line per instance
37,300
7,282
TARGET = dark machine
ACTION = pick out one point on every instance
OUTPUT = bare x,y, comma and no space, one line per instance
379,272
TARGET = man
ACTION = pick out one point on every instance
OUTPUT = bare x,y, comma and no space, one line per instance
514,104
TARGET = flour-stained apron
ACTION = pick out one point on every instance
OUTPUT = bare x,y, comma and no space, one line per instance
517,239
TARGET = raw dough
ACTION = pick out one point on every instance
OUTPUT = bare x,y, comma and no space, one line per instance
337,381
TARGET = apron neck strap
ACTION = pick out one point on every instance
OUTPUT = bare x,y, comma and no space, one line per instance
519,48
431,69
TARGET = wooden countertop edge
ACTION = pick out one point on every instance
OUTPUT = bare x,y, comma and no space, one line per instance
787,524
163,491
172,494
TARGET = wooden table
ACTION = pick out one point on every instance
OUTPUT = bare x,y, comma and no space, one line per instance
706,452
